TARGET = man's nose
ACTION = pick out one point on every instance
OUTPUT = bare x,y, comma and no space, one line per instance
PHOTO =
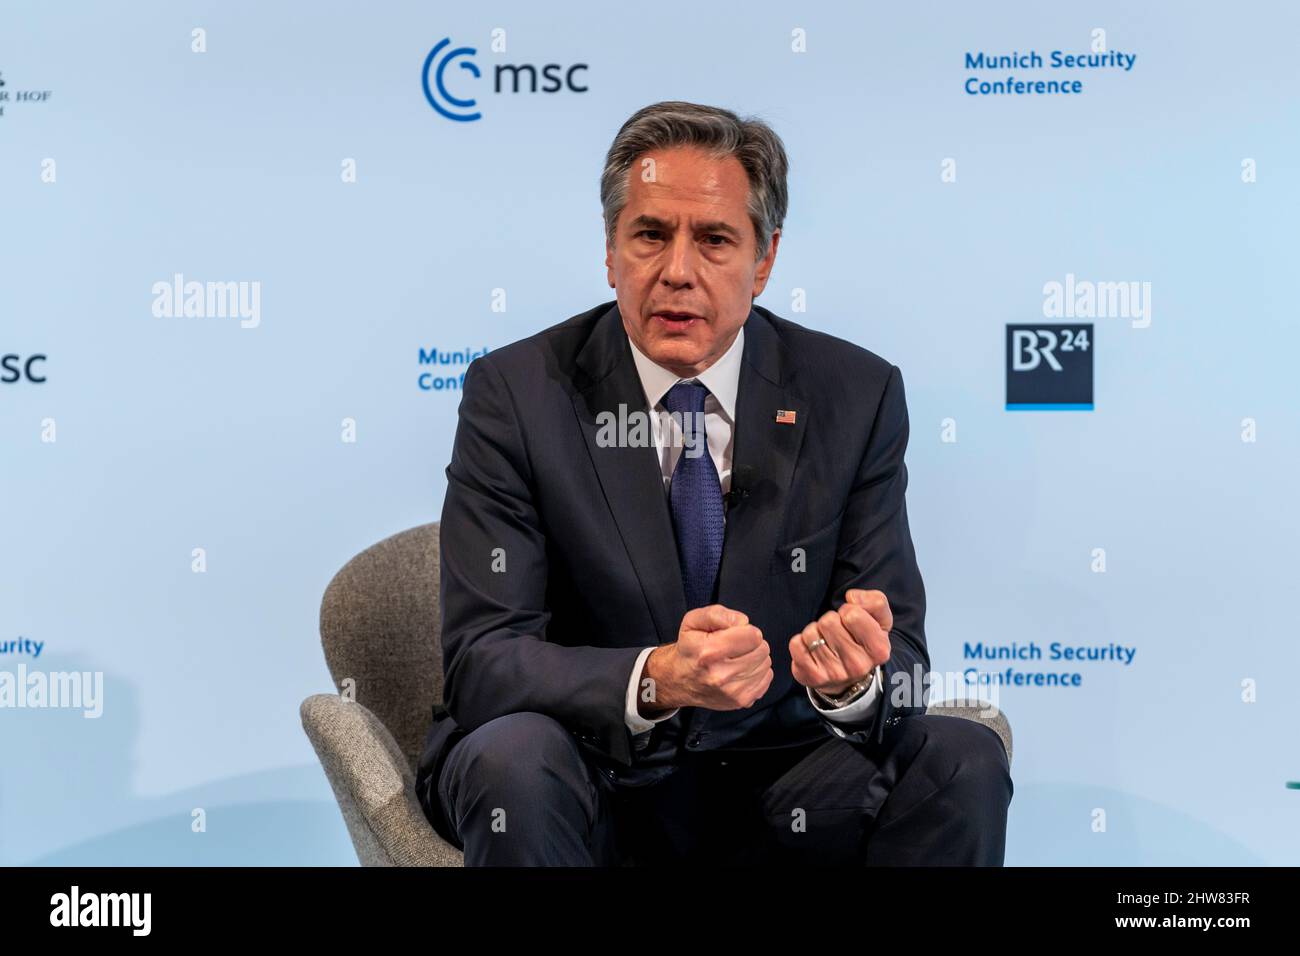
681,261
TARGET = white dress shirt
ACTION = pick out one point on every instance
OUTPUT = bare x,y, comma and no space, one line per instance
722,379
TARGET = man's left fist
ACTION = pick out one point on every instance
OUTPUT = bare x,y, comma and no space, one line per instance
857,641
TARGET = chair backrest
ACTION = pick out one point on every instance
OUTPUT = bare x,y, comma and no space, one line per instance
380,627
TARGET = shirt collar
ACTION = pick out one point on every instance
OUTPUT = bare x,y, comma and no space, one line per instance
722,378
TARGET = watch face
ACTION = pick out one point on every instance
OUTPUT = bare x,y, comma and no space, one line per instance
855,690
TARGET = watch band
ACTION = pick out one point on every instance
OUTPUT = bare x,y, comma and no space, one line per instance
851,693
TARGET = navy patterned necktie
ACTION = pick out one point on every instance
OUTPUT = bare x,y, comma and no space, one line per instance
695,496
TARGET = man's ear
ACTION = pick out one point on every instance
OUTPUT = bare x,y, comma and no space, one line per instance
765,265
609,263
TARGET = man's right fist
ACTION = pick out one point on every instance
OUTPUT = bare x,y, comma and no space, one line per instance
719,662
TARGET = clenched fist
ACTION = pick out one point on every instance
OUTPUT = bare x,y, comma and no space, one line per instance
856,642
720,662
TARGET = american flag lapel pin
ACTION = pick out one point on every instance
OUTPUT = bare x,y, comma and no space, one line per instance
784,416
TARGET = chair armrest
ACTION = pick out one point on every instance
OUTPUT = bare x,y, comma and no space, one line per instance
982,712
374,786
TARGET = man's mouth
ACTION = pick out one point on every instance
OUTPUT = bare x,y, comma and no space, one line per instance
676,320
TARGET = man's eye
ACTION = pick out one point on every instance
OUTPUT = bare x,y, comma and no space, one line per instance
651,234
716,236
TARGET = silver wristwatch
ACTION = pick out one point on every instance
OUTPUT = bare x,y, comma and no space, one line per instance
853,691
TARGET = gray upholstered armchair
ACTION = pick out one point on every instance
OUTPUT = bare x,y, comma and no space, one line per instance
380,628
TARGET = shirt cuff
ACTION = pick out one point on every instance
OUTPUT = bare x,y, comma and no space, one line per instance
857,712
631,716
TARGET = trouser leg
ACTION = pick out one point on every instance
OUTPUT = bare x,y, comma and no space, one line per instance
517,791
935,790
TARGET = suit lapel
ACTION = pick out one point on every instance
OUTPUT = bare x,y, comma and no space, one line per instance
767,450
630,476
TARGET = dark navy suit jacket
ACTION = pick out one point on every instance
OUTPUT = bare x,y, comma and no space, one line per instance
591,569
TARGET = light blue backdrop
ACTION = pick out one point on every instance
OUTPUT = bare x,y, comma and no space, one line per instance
183,433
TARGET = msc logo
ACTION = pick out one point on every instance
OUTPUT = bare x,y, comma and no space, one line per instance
465,108
1049,368
14,369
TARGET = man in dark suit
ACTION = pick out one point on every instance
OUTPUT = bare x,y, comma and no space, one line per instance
682,614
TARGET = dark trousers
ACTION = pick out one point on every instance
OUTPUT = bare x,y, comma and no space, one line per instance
518,791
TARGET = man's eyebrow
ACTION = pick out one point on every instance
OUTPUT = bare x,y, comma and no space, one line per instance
644,221
717,225
651,222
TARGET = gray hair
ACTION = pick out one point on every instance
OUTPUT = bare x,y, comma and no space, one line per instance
717,131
